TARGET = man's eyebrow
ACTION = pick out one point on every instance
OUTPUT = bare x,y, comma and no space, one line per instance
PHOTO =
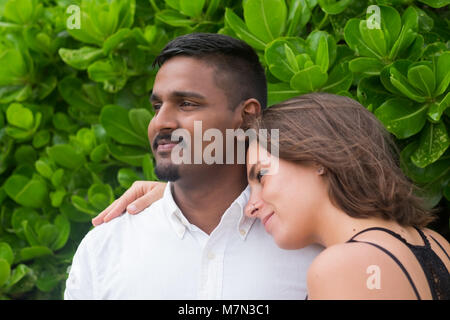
154,97
187,94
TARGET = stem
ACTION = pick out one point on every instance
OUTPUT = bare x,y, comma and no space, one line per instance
323,21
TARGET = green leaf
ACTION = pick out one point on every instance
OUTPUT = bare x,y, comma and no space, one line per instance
19,116
18,274
80,58
309,80
192,8
115,40
276,59
422,78
100,196
298,16
22,11
132,156
14,69
333,6
402,84
126,177
83,206
442,72
434,141
368,66
5,271
15,93
340,79
86,97
374,38
436,110
265,18
355,40
29,193
173,18
41,139
116,122
57,197
436,3
47,234
278,92
147,167
63,225
34,252
241,30
322,59
429,175
139,120
111,72
44,168
99,153
325,56
6,253
66,156
402,117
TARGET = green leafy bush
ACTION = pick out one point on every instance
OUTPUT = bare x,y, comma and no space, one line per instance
75,78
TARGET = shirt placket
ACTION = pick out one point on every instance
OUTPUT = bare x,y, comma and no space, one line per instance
211,275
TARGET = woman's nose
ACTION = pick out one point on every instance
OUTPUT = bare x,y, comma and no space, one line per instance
253,208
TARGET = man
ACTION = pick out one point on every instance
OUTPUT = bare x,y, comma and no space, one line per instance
194,243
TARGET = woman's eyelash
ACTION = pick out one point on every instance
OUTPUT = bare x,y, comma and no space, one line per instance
260,174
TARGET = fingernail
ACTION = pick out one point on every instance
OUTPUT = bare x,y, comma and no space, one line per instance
132,208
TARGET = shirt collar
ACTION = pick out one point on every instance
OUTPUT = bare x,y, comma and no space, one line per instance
179,222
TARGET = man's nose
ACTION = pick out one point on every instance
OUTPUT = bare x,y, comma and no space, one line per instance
164,119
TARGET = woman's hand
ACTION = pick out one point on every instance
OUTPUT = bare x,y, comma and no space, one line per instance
141,195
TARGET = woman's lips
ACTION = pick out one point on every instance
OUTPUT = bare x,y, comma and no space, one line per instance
266,219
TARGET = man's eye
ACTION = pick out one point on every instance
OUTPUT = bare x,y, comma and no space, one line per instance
156,106
187,104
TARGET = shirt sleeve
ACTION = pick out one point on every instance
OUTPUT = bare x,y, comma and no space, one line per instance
80,283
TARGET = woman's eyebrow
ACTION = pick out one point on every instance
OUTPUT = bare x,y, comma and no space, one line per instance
252,173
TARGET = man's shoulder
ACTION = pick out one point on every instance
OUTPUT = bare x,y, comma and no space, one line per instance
126,225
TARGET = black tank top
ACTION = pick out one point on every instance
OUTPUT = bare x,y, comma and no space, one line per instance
435,271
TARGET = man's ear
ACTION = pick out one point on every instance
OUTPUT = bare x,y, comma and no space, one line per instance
248,111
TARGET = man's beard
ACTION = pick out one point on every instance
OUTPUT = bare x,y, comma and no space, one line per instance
167,172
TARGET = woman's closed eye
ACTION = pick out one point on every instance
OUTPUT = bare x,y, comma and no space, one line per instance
261,174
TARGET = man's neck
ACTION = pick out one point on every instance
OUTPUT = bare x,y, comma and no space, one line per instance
204,202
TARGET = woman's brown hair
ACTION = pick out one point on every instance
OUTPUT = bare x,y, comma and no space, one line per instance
358,154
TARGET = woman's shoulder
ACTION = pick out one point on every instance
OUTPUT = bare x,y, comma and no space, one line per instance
439,238
356,271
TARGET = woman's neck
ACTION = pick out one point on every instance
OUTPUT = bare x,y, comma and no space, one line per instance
335,226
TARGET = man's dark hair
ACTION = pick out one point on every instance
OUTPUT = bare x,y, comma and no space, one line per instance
238,70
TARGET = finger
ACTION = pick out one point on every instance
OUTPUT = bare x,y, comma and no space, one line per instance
143,202
98,220
117,210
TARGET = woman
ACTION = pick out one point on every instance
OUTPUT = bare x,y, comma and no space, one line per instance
336,183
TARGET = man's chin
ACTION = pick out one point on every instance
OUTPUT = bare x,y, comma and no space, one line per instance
167,173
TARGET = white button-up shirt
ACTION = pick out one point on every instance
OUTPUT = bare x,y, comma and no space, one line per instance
158,254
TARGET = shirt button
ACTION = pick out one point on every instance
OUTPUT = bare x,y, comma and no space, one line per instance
211,255
242,232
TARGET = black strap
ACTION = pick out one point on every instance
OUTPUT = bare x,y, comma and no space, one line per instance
395,259
442,248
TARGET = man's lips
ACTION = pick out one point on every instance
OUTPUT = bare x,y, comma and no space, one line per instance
164,147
